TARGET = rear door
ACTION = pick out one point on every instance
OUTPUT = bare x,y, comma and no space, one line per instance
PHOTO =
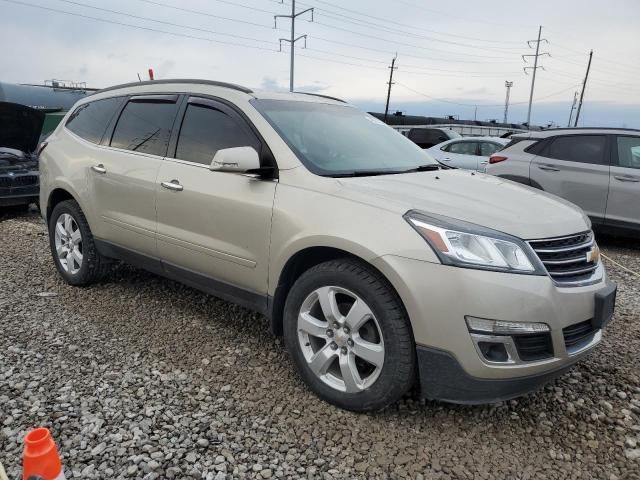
462,154
623,206
123,177
576,168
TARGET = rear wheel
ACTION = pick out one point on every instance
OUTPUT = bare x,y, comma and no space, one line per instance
72,246
349,336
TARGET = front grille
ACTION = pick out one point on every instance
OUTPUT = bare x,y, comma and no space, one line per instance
537,346
578,335
567,259
5,182
24,180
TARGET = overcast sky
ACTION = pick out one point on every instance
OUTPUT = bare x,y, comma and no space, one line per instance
452,55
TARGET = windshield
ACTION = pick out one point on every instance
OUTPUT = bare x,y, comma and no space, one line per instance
336,140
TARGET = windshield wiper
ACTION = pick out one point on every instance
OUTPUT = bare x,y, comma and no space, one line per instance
430,167
369,173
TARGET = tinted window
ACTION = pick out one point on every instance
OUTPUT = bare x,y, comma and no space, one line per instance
145,127
206,130
427,137
487,148
90,120
463,148
578,148
537,147
629,152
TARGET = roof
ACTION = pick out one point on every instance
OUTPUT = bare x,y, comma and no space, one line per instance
298,96
485,137
574,131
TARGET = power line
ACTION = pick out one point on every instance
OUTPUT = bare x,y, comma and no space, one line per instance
130,15
155,30
409,26
394,30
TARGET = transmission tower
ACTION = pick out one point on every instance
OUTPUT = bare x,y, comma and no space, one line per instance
292,41
534,68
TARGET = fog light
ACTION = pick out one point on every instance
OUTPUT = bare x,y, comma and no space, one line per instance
499,327
494,352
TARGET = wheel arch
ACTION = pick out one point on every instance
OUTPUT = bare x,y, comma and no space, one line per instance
300,262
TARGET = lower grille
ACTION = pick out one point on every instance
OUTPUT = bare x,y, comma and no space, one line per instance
578,335
567,259
534,347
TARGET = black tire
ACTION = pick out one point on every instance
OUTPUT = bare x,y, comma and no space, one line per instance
397,373
94,266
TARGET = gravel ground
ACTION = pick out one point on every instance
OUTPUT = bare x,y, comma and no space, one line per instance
140,377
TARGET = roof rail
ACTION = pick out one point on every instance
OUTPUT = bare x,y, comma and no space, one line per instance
214,83
322,96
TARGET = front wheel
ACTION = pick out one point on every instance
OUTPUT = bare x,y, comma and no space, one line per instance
349,336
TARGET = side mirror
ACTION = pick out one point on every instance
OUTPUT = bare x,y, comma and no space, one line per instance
236,159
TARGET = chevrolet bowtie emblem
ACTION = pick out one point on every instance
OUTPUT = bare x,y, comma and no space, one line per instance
594,254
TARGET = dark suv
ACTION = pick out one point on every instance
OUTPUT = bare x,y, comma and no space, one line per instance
20,128
598,169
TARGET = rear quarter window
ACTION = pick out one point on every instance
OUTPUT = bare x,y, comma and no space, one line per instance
90,121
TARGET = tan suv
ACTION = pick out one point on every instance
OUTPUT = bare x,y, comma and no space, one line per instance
380,267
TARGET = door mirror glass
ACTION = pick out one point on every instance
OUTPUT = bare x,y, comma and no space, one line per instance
236,159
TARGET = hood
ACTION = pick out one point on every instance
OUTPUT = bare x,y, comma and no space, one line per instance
477,198
20,127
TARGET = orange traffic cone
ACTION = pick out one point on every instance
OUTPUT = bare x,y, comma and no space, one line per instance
40,460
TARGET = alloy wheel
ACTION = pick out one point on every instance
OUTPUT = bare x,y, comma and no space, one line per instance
68,240
340,339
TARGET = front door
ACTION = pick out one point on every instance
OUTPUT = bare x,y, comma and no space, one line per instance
576,168
623,207
124,175
214,224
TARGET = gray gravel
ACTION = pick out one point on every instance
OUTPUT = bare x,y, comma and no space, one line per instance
140,377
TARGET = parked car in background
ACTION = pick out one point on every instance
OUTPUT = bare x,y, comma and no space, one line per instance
470,153
20,129
598,169
427,137
381,268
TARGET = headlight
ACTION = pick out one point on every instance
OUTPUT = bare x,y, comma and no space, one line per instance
467,245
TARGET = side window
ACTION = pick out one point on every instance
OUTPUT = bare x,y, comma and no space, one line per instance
463,148
90,120
145,126
205,130
629,152
579,148
487,148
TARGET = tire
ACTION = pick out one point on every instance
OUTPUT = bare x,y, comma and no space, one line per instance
92,266
377,384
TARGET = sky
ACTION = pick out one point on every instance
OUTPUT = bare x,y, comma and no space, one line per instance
453,58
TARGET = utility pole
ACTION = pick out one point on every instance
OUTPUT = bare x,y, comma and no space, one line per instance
573,106
534,68
292,41
584,85
392,68
506,102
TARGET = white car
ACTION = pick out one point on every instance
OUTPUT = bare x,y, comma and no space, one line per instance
470,153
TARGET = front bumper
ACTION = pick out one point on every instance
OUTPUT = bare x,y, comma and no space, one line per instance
442,378
19,188
439,297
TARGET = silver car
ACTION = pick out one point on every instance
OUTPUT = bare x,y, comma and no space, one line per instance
470,153
597,169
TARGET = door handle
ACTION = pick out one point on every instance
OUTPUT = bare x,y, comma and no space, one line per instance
624,178
99,168
173,185
548,168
